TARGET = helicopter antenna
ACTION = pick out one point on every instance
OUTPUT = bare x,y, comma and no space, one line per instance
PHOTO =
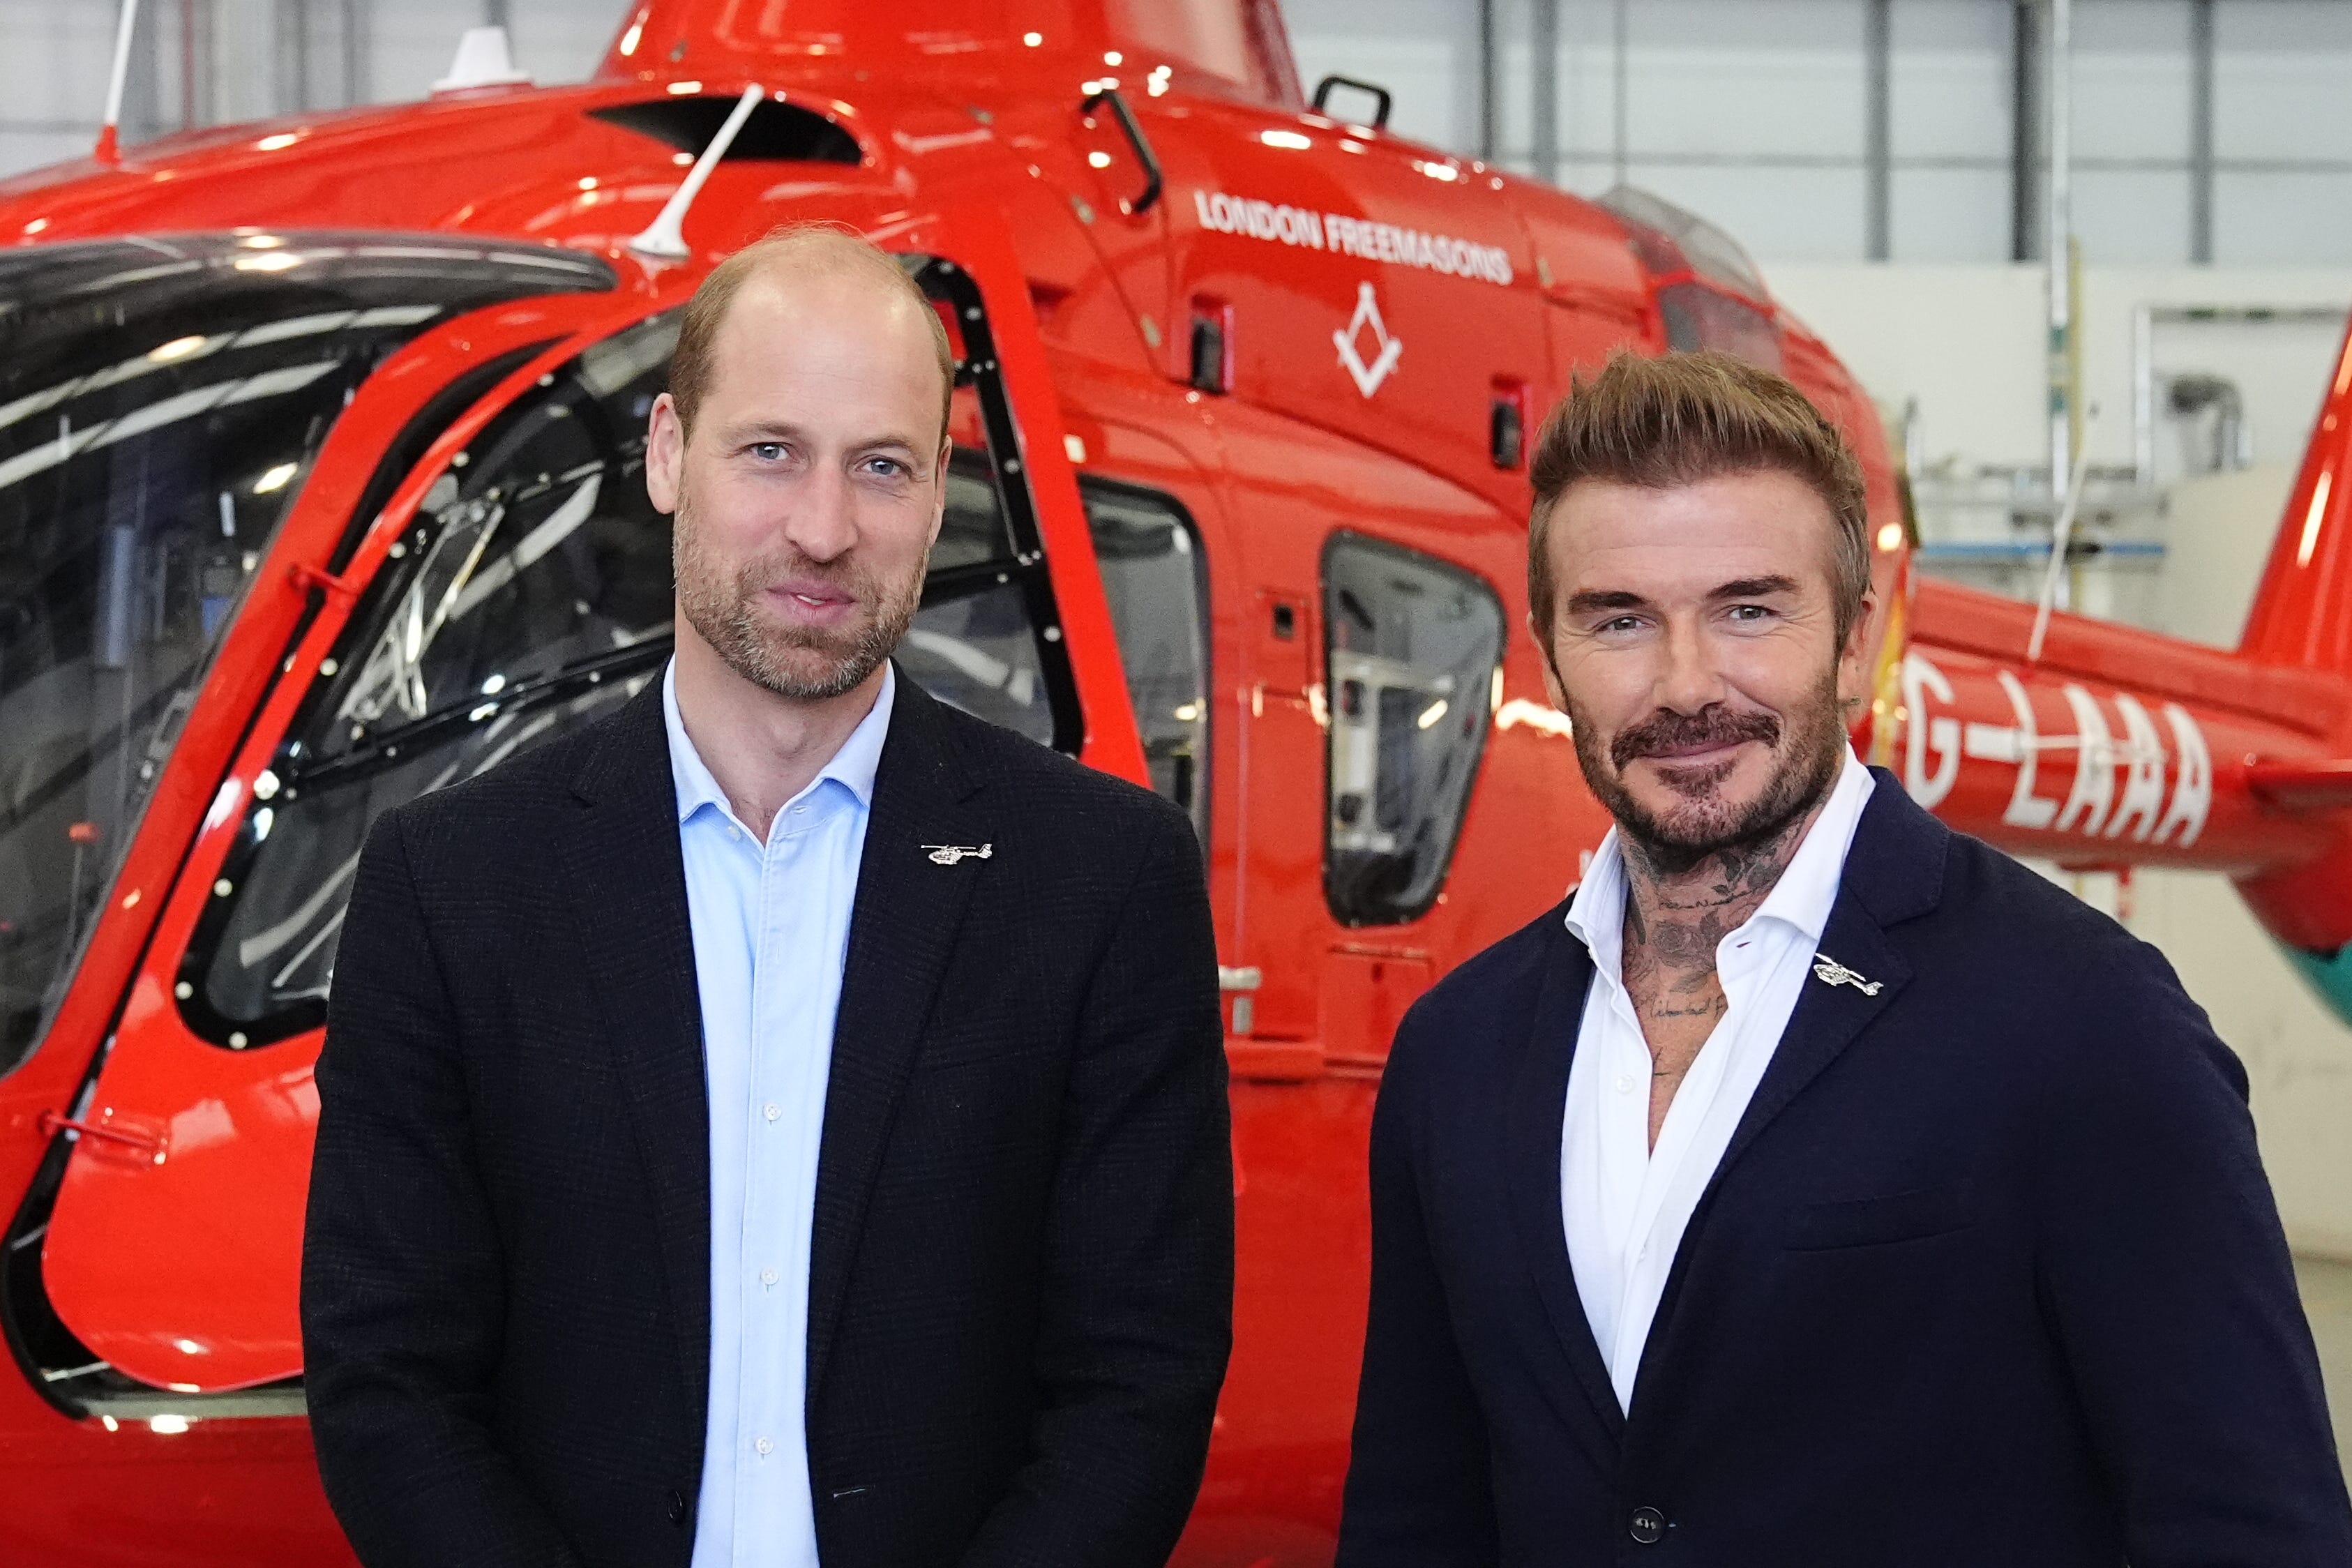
108,149
664,238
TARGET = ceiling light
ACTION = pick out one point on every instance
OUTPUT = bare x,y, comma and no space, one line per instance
269,261
178,348
275,480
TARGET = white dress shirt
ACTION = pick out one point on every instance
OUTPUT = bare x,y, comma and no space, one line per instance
1625,1204
770,926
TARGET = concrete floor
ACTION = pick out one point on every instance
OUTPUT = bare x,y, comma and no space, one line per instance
2327,1298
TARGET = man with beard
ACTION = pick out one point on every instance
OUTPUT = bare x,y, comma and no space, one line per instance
785,1121
1816,1187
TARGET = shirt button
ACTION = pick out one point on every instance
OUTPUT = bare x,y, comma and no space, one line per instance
772,1110
766,1277
1647,1526
766,1448
1625,1083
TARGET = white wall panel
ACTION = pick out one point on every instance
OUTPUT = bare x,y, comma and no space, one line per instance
2131,80
2283,218
2132,217
1945,214
1949,81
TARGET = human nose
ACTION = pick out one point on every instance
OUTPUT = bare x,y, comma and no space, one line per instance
1689,680
822,524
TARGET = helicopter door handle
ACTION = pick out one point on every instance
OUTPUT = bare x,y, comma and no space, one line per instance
1152,179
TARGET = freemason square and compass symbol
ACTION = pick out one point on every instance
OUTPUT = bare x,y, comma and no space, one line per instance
1368,315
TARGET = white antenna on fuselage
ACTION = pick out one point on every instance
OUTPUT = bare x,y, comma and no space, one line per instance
108,150
664,238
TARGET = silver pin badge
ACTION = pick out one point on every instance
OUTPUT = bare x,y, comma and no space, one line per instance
1837,973
951,854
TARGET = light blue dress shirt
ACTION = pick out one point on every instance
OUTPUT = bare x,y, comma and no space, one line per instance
771,931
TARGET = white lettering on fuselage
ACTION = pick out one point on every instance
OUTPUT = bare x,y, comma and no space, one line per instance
1935,745
1281,224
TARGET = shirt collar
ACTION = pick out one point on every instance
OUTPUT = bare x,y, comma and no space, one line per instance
1801,899
852,767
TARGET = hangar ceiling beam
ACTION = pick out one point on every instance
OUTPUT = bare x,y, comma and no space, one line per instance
1878,128
2025,116
2200,131
1543,40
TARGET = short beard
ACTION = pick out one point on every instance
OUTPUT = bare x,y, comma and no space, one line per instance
803,665
1704,825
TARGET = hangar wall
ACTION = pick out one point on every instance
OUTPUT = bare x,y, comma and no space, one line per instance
1758,114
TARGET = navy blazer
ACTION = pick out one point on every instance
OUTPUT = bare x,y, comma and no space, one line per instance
1988,1277
1021,1262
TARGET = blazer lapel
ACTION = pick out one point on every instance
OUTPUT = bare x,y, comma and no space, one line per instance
1534,1118
902,931
1894,870
629,883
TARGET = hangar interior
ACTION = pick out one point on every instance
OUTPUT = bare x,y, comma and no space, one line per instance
1890,164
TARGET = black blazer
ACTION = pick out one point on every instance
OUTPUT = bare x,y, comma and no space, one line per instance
1020,1280
1990,1276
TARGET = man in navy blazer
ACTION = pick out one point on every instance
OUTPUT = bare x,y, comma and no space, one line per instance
1937,1235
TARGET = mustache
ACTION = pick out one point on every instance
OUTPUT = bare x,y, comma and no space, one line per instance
1711,726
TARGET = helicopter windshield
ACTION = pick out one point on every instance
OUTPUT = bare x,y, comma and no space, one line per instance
160,402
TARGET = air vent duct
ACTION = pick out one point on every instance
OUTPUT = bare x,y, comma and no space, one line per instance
781,132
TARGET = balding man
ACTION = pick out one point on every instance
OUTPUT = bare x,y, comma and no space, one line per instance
866,1204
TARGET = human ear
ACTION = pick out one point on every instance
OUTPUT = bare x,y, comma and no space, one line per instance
665,455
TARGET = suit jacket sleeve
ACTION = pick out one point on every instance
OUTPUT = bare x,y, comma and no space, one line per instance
1419,1492
402,1297
2163,1263
1139,1264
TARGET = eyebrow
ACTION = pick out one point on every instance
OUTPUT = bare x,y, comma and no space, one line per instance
784,431
1755,588
1595,601
1591,601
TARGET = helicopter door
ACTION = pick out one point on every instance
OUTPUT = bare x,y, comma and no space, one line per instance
518,589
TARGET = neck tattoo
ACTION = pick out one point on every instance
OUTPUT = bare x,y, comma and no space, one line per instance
1676,917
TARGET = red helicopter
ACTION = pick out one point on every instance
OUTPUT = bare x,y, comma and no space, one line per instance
319,453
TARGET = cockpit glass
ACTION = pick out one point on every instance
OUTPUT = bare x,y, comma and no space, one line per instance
530,596
161,401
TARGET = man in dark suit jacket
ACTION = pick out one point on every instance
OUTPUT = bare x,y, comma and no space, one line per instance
998,1217
1945,1241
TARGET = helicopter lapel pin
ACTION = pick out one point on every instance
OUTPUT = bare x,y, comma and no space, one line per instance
952,854
1836,973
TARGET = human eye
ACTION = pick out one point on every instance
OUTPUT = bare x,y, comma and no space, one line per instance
765,451
1618,626
1752,614
887,467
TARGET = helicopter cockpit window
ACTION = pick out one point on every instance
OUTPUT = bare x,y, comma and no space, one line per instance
533,594
1413,645
161,403
1156,581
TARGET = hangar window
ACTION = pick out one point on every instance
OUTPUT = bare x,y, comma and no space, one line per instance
1412,646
